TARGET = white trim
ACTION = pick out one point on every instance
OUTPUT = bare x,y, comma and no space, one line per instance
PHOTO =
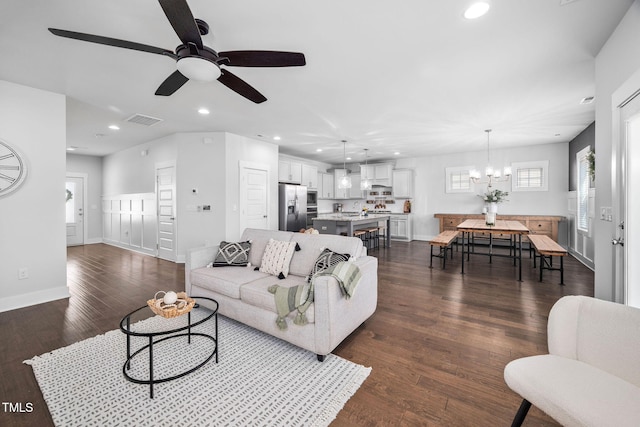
33,298
85,196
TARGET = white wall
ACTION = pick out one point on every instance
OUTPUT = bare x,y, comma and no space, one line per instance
430,196
92,167
32,219
239,148
208,162
617,61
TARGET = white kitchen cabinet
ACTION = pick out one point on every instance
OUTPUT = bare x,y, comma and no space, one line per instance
400,227
355,192
289,171
340,193
325,190
309,176
403,183
380,174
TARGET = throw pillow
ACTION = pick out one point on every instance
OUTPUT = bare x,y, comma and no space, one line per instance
326,259
277,257
232,254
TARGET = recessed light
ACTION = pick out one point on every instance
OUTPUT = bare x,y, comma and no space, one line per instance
114,127
71,148
318,150
348,158
276,138
587,100
203,111
476,10
397,153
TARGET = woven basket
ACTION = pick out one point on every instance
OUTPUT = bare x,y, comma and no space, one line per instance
182,306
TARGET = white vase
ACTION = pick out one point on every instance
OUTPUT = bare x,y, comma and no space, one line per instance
493,207
490,218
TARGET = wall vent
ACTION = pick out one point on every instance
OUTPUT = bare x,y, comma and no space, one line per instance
564,2
141,119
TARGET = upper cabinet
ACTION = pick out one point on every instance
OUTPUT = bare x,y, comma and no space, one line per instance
403,183
325,186
290,171
310,176
379,174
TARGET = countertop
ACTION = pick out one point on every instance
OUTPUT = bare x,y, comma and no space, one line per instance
350,217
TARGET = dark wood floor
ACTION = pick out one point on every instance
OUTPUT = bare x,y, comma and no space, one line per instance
437,343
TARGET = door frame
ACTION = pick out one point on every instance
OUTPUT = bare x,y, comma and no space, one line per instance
625,93
242,166
85,196
162,165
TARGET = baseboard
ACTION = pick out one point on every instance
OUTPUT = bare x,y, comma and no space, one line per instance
93,241
33,298
422,237
581,259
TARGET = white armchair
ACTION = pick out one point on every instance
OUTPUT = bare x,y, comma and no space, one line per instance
591,376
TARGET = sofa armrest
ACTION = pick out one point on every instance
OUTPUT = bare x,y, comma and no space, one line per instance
197,258
336,316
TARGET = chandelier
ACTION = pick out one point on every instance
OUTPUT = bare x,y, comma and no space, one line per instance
345,181
365,184
492,175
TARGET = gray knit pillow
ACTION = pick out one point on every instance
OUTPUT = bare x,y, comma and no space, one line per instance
326,259
232,254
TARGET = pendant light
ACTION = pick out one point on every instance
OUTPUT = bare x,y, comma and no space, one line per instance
365,183
345,181
493,175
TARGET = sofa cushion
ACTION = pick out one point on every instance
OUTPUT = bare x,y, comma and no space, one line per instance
277,258
259,239
312,245
257,294
225,280
326,259
233,254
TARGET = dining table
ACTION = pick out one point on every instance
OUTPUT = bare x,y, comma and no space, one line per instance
514,229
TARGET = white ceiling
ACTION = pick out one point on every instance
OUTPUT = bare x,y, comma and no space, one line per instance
411,76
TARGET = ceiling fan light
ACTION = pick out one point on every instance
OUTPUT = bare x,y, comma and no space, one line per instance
476,10
198,69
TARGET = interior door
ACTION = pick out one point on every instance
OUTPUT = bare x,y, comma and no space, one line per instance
75,210
254,198
627,239
166,197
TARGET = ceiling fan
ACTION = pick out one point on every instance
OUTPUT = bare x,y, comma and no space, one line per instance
195,60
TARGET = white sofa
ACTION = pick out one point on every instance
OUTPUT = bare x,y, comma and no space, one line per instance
242,294
591,376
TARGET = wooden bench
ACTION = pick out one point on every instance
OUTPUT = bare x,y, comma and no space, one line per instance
546,248
444,241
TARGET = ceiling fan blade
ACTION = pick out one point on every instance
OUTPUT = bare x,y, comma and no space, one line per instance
241,87
182,21
263,58
112,42
172,83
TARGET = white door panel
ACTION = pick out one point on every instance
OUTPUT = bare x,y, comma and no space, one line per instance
75,210
166,187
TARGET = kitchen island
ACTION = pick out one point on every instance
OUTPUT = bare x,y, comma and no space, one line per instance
331,223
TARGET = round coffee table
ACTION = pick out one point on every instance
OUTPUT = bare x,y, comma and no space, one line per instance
197,316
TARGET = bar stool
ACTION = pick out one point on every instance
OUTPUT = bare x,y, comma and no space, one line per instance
382,235
374,237
362,234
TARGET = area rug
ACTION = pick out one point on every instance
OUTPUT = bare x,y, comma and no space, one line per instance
259,380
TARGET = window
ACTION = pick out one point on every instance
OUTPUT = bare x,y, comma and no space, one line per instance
457,180
583,190
530,176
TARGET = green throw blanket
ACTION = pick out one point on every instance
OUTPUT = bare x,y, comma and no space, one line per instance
300,297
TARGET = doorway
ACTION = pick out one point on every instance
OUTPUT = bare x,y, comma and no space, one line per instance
626,205
254,196
75,186
166,209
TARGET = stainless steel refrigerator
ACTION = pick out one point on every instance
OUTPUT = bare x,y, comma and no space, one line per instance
292,200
